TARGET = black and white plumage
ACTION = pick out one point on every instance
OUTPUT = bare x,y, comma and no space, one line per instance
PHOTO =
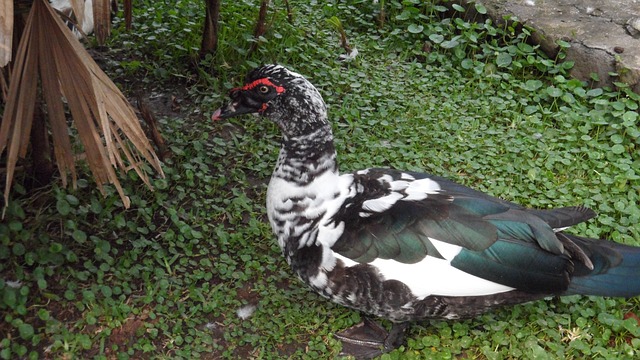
408,246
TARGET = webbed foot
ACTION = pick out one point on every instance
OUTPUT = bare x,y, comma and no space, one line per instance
368,339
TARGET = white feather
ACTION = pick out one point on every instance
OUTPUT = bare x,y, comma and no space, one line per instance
320,281
398,185
405,176
420,189
382,203
448,251
433,276
14,284
246,311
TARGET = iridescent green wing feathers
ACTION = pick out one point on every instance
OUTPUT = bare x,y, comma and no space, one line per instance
499,241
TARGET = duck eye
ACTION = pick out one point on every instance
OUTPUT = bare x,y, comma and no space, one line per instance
263,89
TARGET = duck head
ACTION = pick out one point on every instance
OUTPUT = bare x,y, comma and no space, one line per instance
281,95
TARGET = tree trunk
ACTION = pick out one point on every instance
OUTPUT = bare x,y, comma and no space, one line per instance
42,169
210,34
128,11
261,25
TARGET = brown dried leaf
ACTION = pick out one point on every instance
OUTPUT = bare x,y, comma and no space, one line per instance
77,7
55,109
107,125
6,31
18,114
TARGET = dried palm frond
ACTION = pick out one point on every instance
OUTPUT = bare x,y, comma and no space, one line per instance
77,8
6,31
4,84
87,16
107,125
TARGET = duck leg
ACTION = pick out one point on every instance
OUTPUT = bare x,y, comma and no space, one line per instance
368,339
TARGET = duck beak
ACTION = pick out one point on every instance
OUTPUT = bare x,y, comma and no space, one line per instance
234,108
230,110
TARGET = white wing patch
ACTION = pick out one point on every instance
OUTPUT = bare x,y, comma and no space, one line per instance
407,188
448,251
382,203
434,276
420,189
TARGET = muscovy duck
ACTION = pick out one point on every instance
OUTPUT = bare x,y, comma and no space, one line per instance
407,246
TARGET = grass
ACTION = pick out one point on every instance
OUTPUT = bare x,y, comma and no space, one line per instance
81,277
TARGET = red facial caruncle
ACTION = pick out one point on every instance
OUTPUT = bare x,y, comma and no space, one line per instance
263,81
250,98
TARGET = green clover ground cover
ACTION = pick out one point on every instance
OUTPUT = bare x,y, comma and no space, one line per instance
191,270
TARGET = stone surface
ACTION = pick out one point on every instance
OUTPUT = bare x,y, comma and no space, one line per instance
604,34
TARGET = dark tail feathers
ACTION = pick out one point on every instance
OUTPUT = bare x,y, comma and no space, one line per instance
615,273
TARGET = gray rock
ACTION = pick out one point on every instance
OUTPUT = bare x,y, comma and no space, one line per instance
604,35
633,27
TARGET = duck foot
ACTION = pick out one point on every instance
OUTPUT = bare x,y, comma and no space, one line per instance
368,339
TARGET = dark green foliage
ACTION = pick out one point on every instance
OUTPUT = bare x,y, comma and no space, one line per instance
81,277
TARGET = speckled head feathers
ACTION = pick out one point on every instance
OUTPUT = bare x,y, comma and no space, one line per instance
283,96
277,73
